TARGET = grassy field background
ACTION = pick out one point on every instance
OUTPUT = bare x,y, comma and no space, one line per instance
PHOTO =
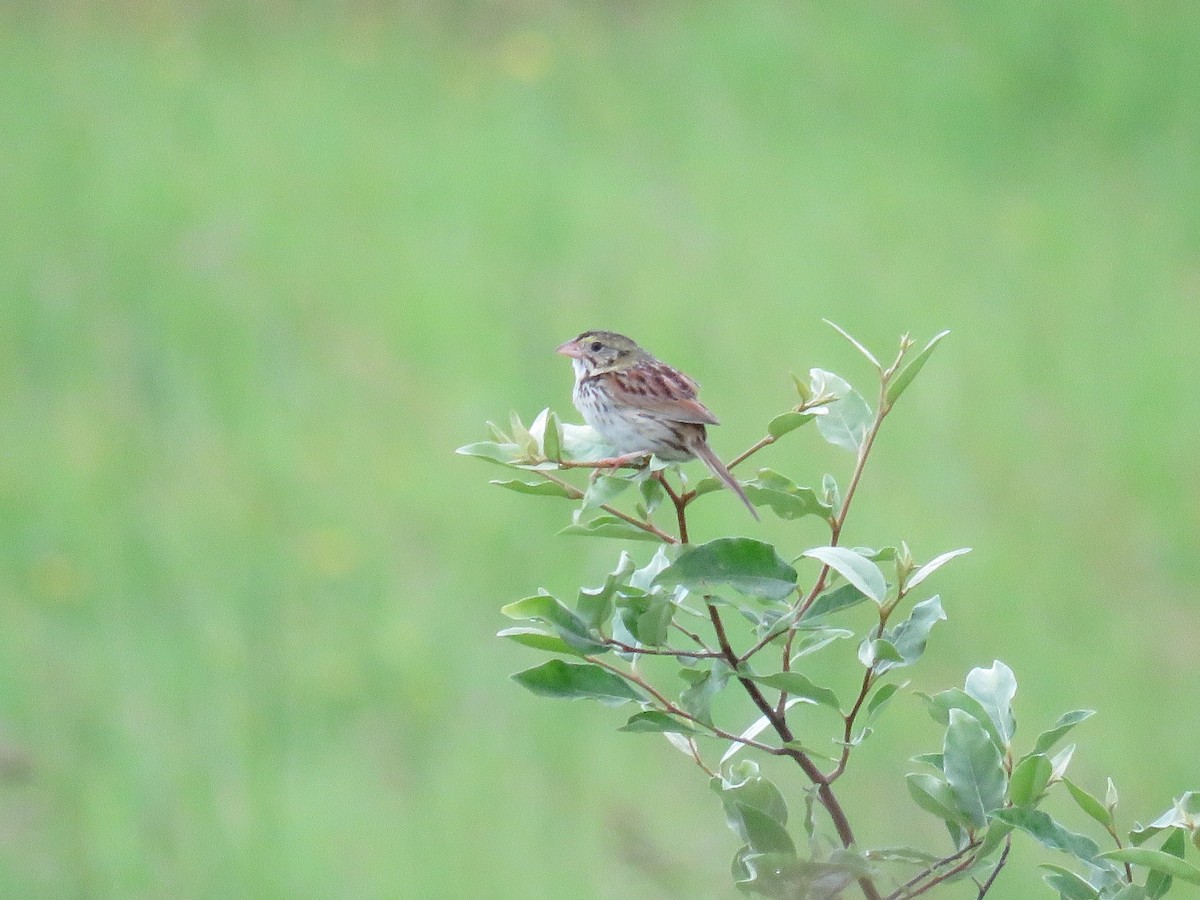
264,267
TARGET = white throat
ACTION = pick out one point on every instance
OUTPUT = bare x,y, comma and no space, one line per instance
580,370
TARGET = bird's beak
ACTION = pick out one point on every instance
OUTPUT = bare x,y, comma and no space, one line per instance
571,349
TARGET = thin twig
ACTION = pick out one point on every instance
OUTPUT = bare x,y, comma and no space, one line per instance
675,710
678,502
576,494
663,651
907,889
987,885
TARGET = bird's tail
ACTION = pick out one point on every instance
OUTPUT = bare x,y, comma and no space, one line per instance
705,453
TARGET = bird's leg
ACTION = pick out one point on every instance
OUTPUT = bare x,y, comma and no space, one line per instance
616,462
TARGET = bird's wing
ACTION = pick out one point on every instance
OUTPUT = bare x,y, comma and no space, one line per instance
660,389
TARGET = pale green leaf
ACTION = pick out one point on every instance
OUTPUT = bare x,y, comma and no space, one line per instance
788,421
932,566
855,568
935,796
570,627
995,688
1069,885
1089,804
848,418
854,342
973,767
1029,780
1158,861
1049,833
537,488
657,721
573,681
799,685
610,527
1066,722
900,382
748,566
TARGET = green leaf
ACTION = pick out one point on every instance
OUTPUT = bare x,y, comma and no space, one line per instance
784,875
1158,883
911,635
595,605
941,703
1060,761
572,681
657,721
643,578
1066,722
762,832
1089,804
995,688
653,619
900,382
703,684
551,435
610,527
788,421
505,454
570,627
748,566
527,445
1049,833
879,653
848,418
1068,884
854,342
1129,892
1158,861
1029,780
1184,813
903,854
539,640
537,488
799,685
855,568
817,639
604,489
1111,798
830,601
582,444
652,494
937,760
744,785
935,796
881,698
784,497
973,767
932,566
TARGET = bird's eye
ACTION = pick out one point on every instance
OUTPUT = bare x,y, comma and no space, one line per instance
597,346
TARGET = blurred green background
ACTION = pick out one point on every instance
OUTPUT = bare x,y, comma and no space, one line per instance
264,267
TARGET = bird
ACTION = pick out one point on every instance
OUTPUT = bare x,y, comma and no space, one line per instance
640,405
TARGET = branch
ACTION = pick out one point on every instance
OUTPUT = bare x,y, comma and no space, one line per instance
780,725
663,651
675,710
575,493
769,439
987,885
909,888
680,503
